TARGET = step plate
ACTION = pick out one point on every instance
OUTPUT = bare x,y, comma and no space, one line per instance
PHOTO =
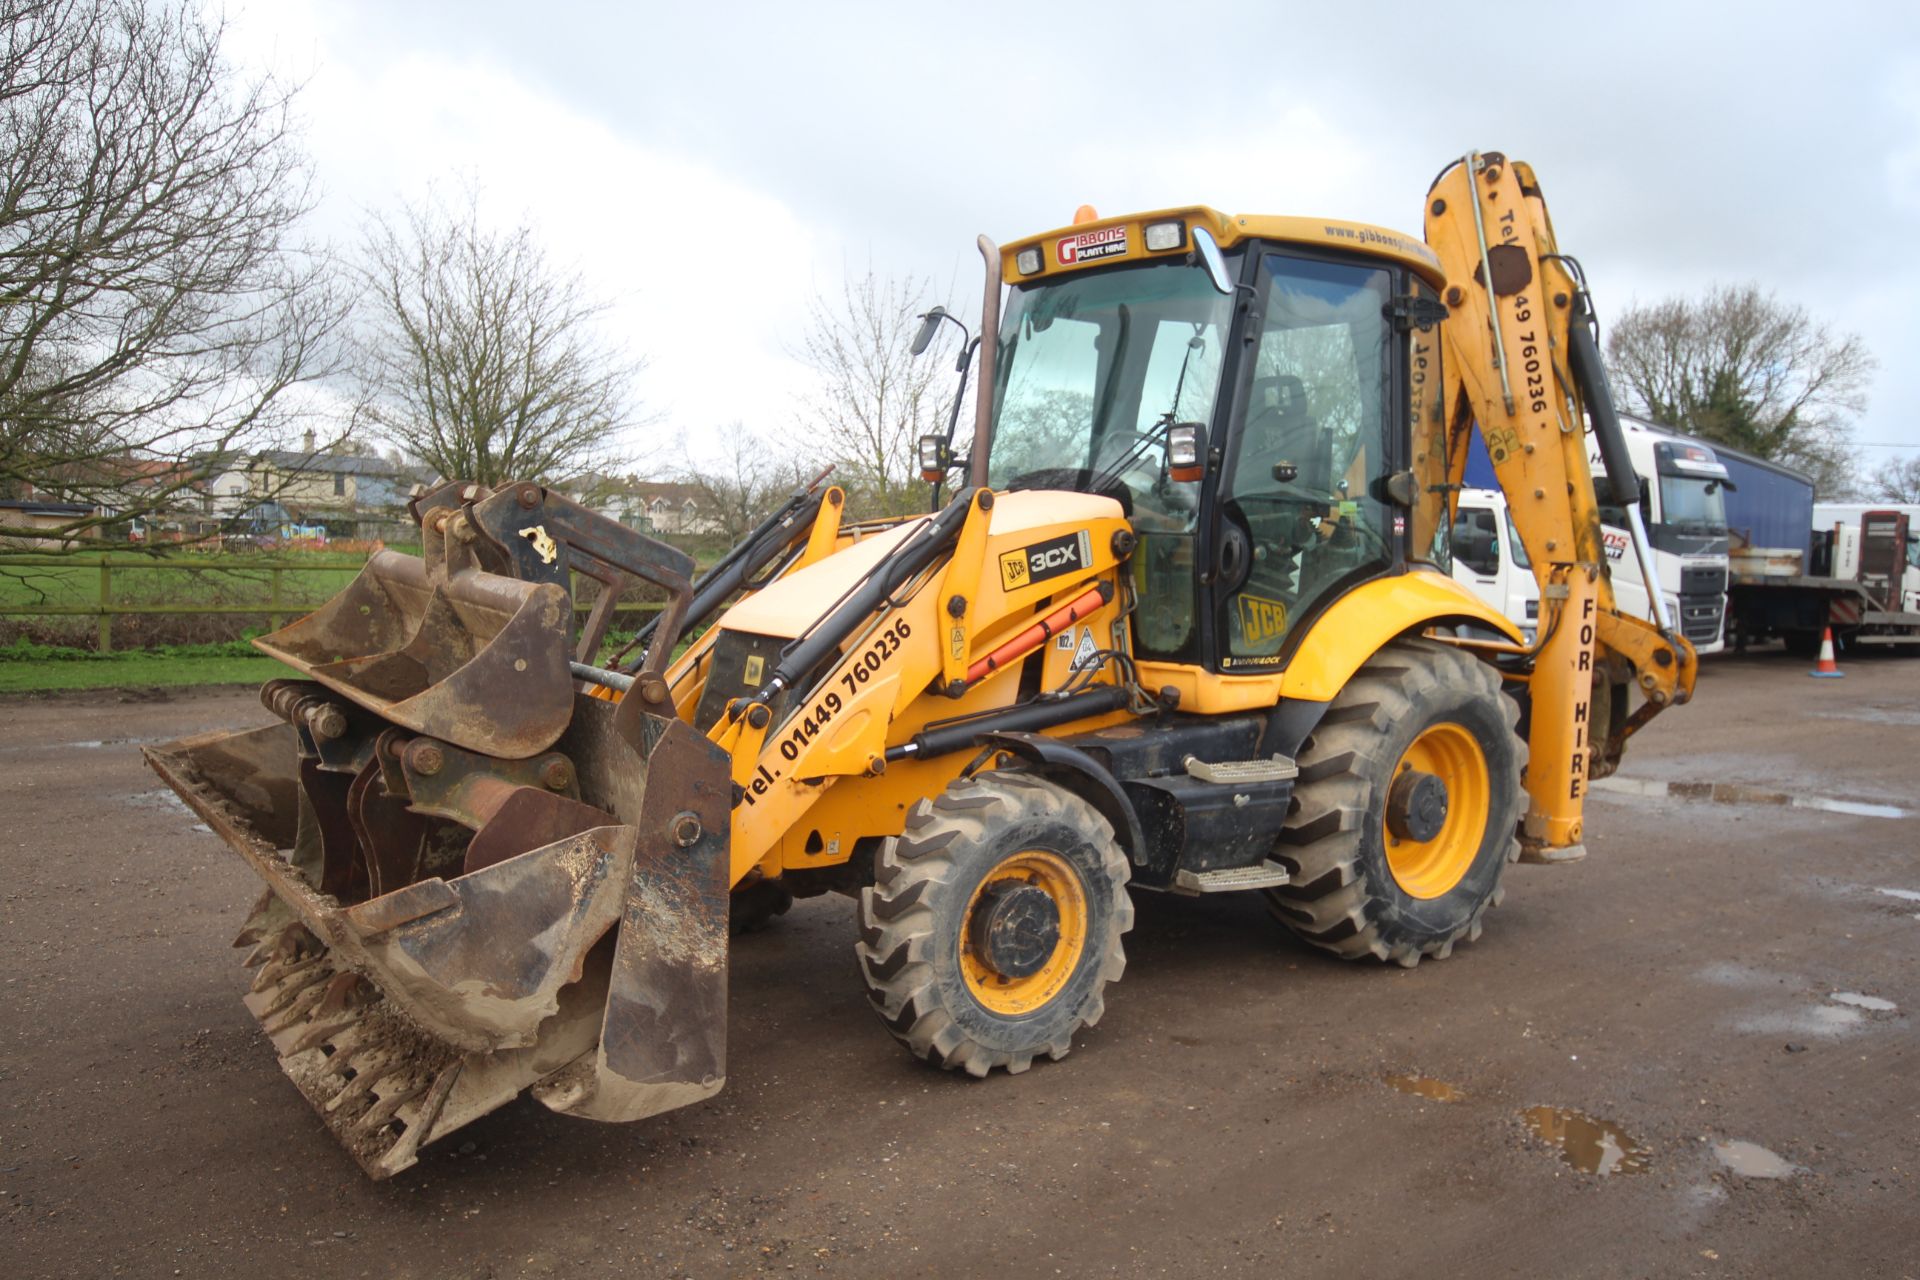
1267,875
1241,772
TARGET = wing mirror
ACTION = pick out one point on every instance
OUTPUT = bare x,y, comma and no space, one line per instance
929,325
1216,265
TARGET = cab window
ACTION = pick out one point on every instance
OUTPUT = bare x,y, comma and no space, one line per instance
1299,494
1476,541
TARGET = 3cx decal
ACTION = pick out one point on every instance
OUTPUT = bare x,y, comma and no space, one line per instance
1045,560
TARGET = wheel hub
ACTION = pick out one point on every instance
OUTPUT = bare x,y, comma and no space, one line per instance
1417,806
1015,928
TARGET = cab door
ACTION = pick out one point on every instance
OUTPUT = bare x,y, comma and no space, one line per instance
1300,513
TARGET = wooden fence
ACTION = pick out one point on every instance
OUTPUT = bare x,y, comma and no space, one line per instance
278,607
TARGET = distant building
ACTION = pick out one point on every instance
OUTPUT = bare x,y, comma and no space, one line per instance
652,506
32,513
317,482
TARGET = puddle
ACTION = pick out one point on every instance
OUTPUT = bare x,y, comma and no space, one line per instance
1874,715
158,798
89,744
1873,1004
1591,1146
1841,1015
1732,793
1905,895
1751,1160
1820,1020
1427,1087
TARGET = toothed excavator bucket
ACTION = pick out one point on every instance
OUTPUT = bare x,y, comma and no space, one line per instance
479,879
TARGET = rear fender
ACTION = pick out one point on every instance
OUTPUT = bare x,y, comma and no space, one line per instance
1361,622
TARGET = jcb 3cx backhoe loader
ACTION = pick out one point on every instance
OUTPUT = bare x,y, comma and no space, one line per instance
1185,625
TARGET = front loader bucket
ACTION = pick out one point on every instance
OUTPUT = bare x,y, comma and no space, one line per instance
591,967
470,658
479,881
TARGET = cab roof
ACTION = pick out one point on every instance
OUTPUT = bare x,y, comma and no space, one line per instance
1094,243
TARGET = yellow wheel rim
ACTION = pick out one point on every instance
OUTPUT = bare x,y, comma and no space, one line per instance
1010,996
1431,868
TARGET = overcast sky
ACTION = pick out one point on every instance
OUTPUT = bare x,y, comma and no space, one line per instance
709,166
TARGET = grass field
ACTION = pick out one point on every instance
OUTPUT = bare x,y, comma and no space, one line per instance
27,668
185,580
194,607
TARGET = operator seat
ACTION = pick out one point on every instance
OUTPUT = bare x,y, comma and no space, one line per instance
1280,430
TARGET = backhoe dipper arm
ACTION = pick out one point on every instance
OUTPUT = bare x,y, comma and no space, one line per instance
1520,361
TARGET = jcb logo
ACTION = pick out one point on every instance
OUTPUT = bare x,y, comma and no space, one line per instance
1261,620
1013,570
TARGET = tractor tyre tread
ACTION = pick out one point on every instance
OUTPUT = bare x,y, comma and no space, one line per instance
1335,900
935,863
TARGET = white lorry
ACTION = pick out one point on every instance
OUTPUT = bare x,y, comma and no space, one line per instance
1488,558
1683,509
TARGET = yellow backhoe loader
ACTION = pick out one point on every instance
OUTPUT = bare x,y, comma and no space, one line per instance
1185,625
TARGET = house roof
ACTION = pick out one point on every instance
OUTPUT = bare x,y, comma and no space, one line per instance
33,507
330,463
606,488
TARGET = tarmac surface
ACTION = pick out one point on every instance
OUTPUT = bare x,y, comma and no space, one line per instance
1715,1011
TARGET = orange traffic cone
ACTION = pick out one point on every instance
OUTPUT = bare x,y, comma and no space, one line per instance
1827,668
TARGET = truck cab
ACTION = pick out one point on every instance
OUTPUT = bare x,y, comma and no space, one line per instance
1489,560
1682,487
1682,505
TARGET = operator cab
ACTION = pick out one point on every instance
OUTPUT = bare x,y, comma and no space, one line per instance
1272,363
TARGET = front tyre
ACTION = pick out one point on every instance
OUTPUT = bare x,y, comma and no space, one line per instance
993,925
1407,809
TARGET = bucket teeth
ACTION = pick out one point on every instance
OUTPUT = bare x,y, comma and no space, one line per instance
317,1035
382,1112
279,970
344,991
377,1081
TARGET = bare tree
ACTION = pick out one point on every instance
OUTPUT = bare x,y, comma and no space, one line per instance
481,358
744,481
1742,367
156,306
875,397
1897,480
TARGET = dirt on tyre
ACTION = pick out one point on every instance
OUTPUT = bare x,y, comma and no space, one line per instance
994,922
1407,809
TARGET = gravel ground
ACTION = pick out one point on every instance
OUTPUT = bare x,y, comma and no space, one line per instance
1231,1114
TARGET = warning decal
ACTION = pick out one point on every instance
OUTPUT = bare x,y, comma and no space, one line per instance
1090,246
1088,654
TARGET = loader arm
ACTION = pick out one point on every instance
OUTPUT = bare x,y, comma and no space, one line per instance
1520,364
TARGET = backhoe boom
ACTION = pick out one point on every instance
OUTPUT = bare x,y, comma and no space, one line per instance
1518,364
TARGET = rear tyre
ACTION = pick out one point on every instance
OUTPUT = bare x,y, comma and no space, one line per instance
993,925
1407,809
